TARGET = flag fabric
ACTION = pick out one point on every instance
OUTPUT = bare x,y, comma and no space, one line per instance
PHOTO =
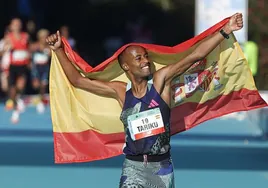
87,127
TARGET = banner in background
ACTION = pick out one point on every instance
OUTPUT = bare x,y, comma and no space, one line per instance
209,12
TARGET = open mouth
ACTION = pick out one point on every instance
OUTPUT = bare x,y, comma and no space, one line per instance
146,66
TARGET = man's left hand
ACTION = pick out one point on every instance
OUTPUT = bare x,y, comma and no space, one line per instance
235,23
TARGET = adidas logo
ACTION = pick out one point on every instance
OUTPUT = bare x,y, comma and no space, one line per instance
153,103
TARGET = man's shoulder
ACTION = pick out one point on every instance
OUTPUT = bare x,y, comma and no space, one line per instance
118,85
161,72
116,82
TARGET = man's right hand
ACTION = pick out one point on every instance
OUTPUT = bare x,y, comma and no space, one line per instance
54,41
113,89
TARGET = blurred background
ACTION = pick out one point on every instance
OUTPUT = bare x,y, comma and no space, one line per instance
231,151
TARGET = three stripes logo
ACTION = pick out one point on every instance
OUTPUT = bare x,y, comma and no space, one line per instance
153,103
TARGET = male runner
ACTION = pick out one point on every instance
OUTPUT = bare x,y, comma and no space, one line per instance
40,66
148,161
18,69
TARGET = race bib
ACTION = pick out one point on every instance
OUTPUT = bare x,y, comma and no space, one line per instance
40,58
145,124
19,55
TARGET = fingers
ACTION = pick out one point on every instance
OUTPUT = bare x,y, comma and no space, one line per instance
240,23
55,38
238,19
52,39
237,15
48,40
58,34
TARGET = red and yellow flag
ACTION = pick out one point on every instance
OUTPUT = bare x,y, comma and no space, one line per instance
87,127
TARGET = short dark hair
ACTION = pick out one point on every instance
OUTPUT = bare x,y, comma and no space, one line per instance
120,58
121,55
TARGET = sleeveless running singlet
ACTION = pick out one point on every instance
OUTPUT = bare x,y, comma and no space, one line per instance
151,101
19,54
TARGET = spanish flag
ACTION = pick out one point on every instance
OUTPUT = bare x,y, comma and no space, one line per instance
87,127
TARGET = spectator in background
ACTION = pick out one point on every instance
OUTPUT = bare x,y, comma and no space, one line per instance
65,32
40,66
5,61
31,30
19,67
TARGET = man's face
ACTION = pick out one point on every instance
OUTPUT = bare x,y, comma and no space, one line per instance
15,25
137,61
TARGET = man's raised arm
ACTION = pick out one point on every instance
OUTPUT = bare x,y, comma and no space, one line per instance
106,89
208,45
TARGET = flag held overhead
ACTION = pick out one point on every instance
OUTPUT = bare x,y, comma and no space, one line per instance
87,127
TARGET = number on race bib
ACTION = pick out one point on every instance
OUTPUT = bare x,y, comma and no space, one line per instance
145,124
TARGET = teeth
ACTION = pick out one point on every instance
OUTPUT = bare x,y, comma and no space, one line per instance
146,67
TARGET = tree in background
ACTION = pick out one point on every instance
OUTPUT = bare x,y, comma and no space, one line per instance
258,32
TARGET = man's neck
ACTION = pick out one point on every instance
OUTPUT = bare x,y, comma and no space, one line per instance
139,87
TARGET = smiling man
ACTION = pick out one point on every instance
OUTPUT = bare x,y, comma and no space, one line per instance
145,105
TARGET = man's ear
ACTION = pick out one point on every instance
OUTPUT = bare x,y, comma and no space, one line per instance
125,67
